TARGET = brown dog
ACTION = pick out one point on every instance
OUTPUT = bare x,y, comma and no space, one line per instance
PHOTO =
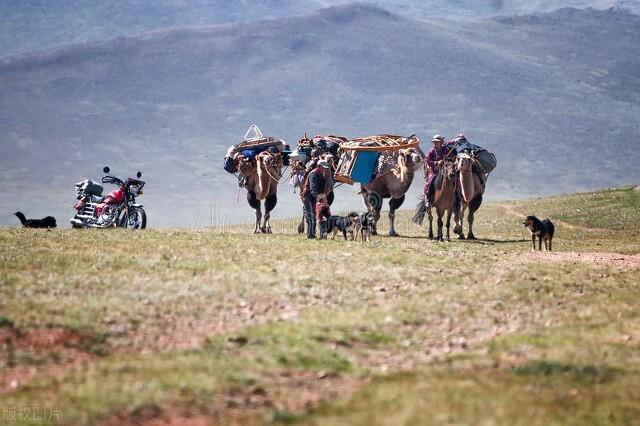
543,229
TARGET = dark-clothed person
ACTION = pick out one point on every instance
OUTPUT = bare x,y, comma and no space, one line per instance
316,184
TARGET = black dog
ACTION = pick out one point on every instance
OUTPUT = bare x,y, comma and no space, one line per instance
47,222
344,224
543,229
365,226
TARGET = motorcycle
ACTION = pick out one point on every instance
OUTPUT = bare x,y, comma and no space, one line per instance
116,209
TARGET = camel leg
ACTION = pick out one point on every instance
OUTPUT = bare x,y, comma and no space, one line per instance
269,204
474,205
430,214
470,235
373,201
376,218
255,203
460,221
457,216
394,204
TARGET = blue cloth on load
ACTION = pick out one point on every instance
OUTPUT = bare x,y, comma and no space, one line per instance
468,147
249,153
364,166
486,159
252,152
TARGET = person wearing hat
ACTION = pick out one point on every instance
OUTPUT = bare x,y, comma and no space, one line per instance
432,162
319,181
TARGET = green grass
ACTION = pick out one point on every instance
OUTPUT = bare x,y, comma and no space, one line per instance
240,328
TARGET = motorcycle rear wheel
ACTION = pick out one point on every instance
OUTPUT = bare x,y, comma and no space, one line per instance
137,219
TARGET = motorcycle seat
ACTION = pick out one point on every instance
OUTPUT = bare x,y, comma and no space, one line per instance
97,198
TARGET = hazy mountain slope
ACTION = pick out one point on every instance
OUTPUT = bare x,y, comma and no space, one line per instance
473,9
545,96
31,25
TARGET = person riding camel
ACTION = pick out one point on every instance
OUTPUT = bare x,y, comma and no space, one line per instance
433,162
319,181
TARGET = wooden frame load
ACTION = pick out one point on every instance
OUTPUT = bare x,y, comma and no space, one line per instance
360,156
255,140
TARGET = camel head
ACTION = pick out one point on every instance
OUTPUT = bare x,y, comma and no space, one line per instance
268,167
409,160
449,169
269,160
412,158
464,163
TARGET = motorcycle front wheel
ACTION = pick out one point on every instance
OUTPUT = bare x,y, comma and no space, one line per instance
137,219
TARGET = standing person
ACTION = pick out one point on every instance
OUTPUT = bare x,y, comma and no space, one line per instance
317,182
432,162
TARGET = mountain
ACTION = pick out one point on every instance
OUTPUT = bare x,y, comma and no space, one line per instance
553,95
32,25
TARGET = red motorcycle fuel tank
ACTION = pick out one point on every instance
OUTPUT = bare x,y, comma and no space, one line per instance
114,197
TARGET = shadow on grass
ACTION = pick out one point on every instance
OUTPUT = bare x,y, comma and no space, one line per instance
409,237
490,241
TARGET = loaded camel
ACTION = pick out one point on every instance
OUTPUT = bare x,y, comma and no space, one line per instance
262,177
395,174
471,191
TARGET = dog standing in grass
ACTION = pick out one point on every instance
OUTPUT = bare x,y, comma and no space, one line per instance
47,222
543,229
365,227
343,224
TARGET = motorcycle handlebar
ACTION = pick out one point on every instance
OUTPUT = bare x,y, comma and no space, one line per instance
112,179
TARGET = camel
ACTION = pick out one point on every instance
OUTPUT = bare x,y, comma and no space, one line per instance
444,199
262,184
395,175
471,191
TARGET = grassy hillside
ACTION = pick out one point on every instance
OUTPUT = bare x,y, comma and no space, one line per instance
199,326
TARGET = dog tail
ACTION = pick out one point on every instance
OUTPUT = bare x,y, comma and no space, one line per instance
551,228
23,219
421,211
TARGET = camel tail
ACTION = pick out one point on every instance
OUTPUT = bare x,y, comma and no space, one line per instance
421,211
